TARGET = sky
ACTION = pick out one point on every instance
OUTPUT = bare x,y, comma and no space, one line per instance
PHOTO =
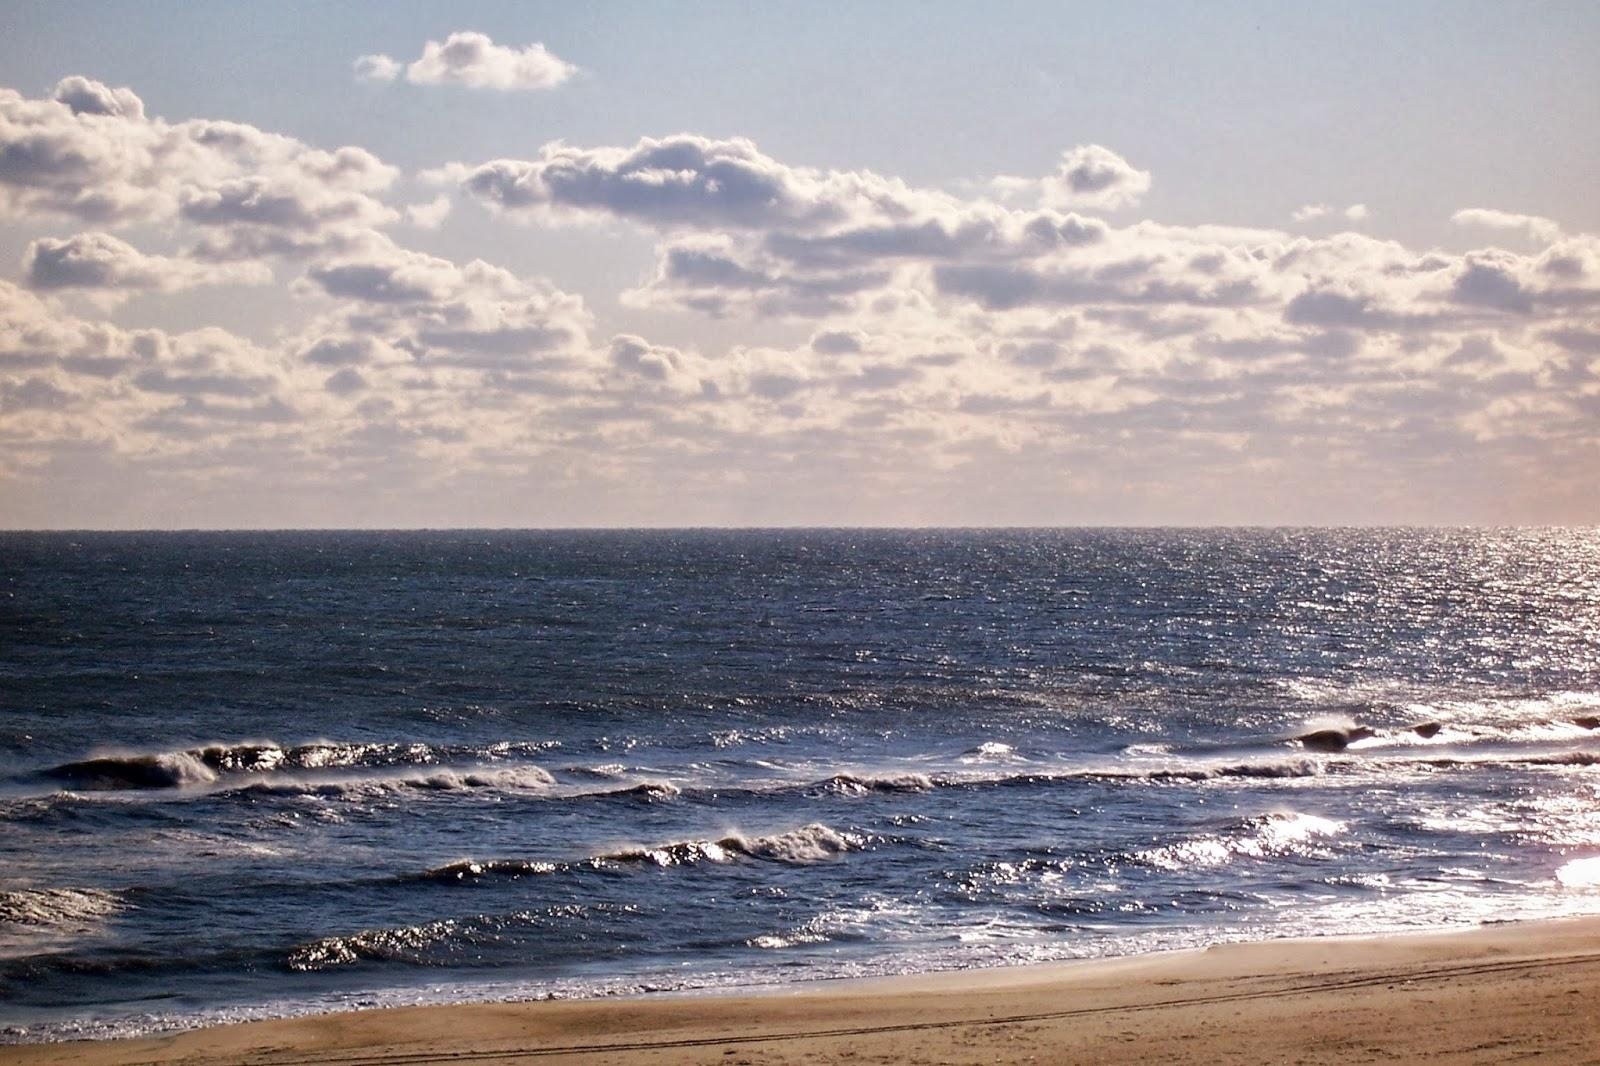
395,265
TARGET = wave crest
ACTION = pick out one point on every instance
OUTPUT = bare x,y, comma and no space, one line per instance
404,944
1265,836
856,785
176,769
56,907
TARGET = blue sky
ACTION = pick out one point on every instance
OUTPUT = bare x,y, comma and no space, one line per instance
1335,264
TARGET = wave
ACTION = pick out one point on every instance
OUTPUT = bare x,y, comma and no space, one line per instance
57,907
472,869
1580,873
440,780
649,791
301,769
604,771
167,770
857,785
403,944
1266,836
804,846
210,763
1558,716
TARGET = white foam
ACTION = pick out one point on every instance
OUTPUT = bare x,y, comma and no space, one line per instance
56,906
1580,873
810,843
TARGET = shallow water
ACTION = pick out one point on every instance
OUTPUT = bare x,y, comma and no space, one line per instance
257,774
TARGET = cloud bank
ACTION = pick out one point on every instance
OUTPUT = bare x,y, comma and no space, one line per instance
886,352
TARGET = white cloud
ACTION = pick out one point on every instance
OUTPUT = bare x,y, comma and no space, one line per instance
378,68
473,60
430,215
475,316
688,181
1539,229
99,261
89,153
1095,177
1090,177
1312,212
945,343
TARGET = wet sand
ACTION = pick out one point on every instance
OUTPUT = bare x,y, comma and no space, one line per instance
1502,993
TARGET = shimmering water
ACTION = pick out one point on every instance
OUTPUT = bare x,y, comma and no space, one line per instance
256,774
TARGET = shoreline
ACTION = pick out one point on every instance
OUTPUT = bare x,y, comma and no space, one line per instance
1484,994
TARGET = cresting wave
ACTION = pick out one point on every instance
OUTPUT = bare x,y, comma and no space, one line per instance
1336,737
405,944
1265,836
193,765
56,907
440,780
265,761
178,771
797,847
859,785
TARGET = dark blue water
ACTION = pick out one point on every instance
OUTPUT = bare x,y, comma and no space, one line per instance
255,774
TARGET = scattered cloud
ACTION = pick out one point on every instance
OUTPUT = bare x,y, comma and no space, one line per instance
1312,212
378,68
474,61
1094,177
430,215
1016,337
90,154
1535,227
101,262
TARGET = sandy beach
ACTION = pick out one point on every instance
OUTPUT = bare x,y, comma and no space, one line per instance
1501,993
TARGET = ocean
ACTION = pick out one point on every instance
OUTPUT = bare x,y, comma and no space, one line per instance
263,774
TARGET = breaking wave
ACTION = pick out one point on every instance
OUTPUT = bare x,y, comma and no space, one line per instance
404,944
795,847
56,907
307,769
168,770
212,763
649,791
1265,836
857,785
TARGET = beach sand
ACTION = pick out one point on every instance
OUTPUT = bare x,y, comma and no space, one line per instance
1502,993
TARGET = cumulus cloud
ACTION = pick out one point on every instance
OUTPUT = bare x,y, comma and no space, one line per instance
430,215
378,68
1539,229
90,153
1092,176
472,60
99,261
440,312
86,97
684,181
1004,340
719,277
838,341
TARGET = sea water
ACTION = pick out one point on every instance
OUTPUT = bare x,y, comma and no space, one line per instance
260,774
